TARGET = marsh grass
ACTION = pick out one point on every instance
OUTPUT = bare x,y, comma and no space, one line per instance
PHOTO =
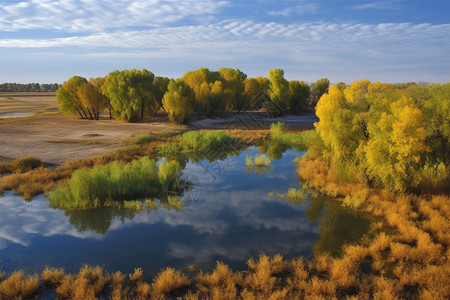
41,180
280,133
210,143
104,185
403,263
21,165
167,281
138,140
19,286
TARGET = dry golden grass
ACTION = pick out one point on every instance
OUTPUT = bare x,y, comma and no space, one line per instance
117,286
19,286
222,283
261,278
405,263
52,276
167,281
137,275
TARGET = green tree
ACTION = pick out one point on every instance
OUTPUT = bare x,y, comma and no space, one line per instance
161,84
90,94
68,97
207,87
318,88
278,91
298,96
132,94
254,89
233,87
178,101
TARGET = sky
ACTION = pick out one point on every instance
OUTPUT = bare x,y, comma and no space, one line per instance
392,41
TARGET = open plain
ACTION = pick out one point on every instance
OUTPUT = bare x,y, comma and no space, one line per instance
45,133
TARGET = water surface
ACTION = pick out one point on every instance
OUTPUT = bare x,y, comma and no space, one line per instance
228,215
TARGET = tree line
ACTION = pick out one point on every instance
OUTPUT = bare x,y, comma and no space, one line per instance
134,95
29,87
390,136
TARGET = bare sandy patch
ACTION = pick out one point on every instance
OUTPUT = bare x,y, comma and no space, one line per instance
54,138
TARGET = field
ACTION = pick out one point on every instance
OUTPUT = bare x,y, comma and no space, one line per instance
54,138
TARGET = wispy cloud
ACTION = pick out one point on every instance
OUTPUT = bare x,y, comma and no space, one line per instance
303,7
224,34
100,15
393,4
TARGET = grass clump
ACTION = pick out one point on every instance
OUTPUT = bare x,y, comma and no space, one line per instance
138,139
21,165
19,286
222,283
151,204
279,133
295,196
105,184
52,276
167,281
133,205
210,143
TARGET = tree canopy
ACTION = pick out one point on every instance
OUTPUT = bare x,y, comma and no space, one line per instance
386,135
133,95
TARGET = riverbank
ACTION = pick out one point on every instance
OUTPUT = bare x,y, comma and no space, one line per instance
53,138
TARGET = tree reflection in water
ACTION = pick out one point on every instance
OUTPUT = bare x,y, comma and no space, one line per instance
338,226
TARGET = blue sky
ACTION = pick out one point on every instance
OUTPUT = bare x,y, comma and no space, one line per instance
382,40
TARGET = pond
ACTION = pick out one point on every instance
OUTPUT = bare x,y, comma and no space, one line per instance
230,214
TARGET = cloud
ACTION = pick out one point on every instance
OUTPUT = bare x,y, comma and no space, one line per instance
301,9
20,221
101,15
244,30
393,4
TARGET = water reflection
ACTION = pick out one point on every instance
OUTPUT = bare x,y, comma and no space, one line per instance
337,226
227,215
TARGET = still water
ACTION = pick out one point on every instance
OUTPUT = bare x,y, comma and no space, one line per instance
230,214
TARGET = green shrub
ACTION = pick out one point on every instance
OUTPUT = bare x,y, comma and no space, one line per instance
279,134
211,143
105,184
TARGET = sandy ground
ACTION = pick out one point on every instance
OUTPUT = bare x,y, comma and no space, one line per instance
53,138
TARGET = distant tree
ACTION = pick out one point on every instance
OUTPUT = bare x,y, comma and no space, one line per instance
161,84
206,86
132,93
278,91
68,97
298,96
233,85
318,88
91,97
178,101
28,87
